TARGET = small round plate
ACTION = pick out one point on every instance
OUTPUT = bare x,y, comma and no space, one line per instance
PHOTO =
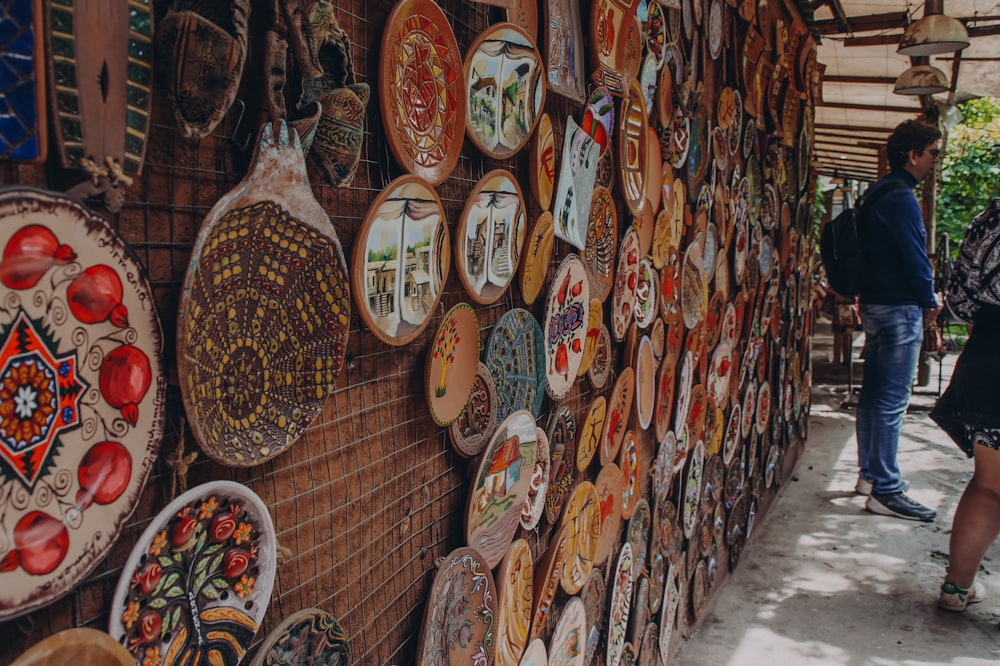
309,636
645,383
591,433
716,26
515,356
619,411
542,170
609,490
763,412
582,520
567,318
631,141
455,348
515,581
602,240
694,287
600,368
537,255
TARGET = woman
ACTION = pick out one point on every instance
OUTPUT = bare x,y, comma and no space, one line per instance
969,410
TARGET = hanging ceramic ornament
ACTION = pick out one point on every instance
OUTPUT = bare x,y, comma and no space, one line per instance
619,412
534,504
593,334
534,654
600,367
622,580
591,433
198,581
645,383
611,21
599,117
82,386
562,443
266,288
471,431
422,89
397,291
577,176
582,520
547,576
567,315
592,595
626,280
308,636
455,348
609,490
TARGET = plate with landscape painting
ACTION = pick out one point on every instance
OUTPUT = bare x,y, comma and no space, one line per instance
422,89
490,236
505,90
451,364
515,356
567,317
401,260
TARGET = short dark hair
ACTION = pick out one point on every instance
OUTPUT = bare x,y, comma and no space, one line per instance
909,135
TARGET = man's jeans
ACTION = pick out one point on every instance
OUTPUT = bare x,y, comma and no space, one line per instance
893,335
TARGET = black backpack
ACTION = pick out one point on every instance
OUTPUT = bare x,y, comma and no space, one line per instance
840,244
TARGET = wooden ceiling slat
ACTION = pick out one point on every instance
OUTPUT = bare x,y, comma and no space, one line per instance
862,23
871,107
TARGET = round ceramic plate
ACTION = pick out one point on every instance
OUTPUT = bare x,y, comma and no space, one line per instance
505,90
562,444
199,579
455,348
648,75
637,534
645,383
515,355
471,431
619,411
422,89
600,367
396,293
692,488
623,296
763,412
670,289
582,521
628,461
501,486
537,256
515,579
304,638
602,240
592,595
490,236
548,573
599,117
715,29
534,504
609,490
622,580
654,171
680,138
663,466
593,335
694,287
542,170
566,647
647,288
665,385
567,317
534,654
631,141
590,434
82,394
458,625
76,646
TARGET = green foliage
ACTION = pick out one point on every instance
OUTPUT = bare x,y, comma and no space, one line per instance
385,254
970,173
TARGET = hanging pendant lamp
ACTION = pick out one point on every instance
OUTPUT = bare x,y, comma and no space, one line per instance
921,79
934,33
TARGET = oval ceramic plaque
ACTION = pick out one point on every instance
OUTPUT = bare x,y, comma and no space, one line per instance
515,356
645,383
537,255
562,444
622,580
461,610
600,367
490,236
593,334
501,486
567,317
626,280
82,390
590,434
505,90
307,637
451,364
631,142
422,89
471,431
401,260
199,579
647,287
609,490
515,579
619,411
568,642
602,240
543,163
534,504
582,521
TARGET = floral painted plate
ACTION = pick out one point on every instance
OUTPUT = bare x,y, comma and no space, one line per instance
471,431
567,319
455,348
304,638
628,461
82,387
458,625
692,489
515,579
199,579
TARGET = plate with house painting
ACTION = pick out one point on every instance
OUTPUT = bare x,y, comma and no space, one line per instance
451,364
401,260
459,620
490,236
422,89
562,445
602,240
514,580
199,579
304,638
471,431
505,90
500,487
567,319
515,356
82,393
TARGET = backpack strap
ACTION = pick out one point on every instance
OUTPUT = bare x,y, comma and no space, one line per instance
876,193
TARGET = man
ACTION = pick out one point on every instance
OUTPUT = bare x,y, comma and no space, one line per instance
895,305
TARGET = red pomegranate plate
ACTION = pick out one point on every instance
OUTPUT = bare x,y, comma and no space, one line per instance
81,394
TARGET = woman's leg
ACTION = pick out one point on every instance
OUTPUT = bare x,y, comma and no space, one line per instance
977,518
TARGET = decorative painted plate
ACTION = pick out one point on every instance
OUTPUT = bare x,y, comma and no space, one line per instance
694,287
658,339
459,621
763,412
564,45
471,431
692,488
663,467
645,383
668,614
670,289
626,280
577,175
534,654
568,643
82,391
647,288
630,46
654,171
601,242
269,253
515,579
631,141
684,383
501,486
628,461
619,411
749,409
199,579
567,319
609,490
592,595
593,335
582,520
608,25
648,75
665,96
562,445
490,236
537,256
396,292
543,162
304,638
640,610
600,368
622,580
599,117
76,646
455,348
680,138
656,32
505,88
548,573
721,370
638,533
422,89
534,504
590,435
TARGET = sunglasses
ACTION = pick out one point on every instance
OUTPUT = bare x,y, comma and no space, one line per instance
935,152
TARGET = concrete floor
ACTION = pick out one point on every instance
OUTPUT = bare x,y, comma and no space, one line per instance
822,581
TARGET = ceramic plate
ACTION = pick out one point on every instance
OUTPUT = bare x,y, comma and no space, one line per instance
648,75
543,162
599,117
720,373
592,595
534,654
590,434
582,521
422,89
664,404
593,335
694,287
622,580
763,412
631,141
471,431
656,32
82,394
680,138
455,348
716,26
505,88
619,411
663,467
548,573
602,240
600,367
568,642
684,386
562,445
645,383
608,23
199,579
692,489
515,356
654,171
626,277
304,638
76,646
628,461
534,503
609,490
501,486
577,175
537,255
567,318
458,625
670,289
490,236
514,581
647,288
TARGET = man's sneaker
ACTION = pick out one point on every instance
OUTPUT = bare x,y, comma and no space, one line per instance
864,486
954,598
900,506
